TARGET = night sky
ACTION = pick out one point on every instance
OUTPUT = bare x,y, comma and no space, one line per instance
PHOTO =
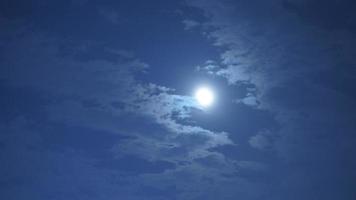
98,100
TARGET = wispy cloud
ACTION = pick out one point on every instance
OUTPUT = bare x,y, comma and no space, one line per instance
269,48
189,24
150,116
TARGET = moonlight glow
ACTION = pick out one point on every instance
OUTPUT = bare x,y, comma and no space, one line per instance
204,96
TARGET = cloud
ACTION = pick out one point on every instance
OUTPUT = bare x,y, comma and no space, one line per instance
190,24
285,52
92,99
334,15
210,67
167,109
111,15
262,141
87,93
102,82
249,100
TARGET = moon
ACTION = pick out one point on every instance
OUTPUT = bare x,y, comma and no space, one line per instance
204,96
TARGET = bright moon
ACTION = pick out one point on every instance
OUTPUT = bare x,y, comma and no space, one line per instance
204,96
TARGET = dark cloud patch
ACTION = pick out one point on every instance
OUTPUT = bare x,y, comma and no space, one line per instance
170,192
134,165
244,152
329,14
92,143
16,9
339,78
22,102
240,120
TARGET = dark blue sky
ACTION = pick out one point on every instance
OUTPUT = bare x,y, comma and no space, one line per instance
97,100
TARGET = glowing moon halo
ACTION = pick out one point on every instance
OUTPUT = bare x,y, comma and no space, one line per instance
204,96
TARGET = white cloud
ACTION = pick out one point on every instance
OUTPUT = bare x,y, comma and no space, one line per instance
249,100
